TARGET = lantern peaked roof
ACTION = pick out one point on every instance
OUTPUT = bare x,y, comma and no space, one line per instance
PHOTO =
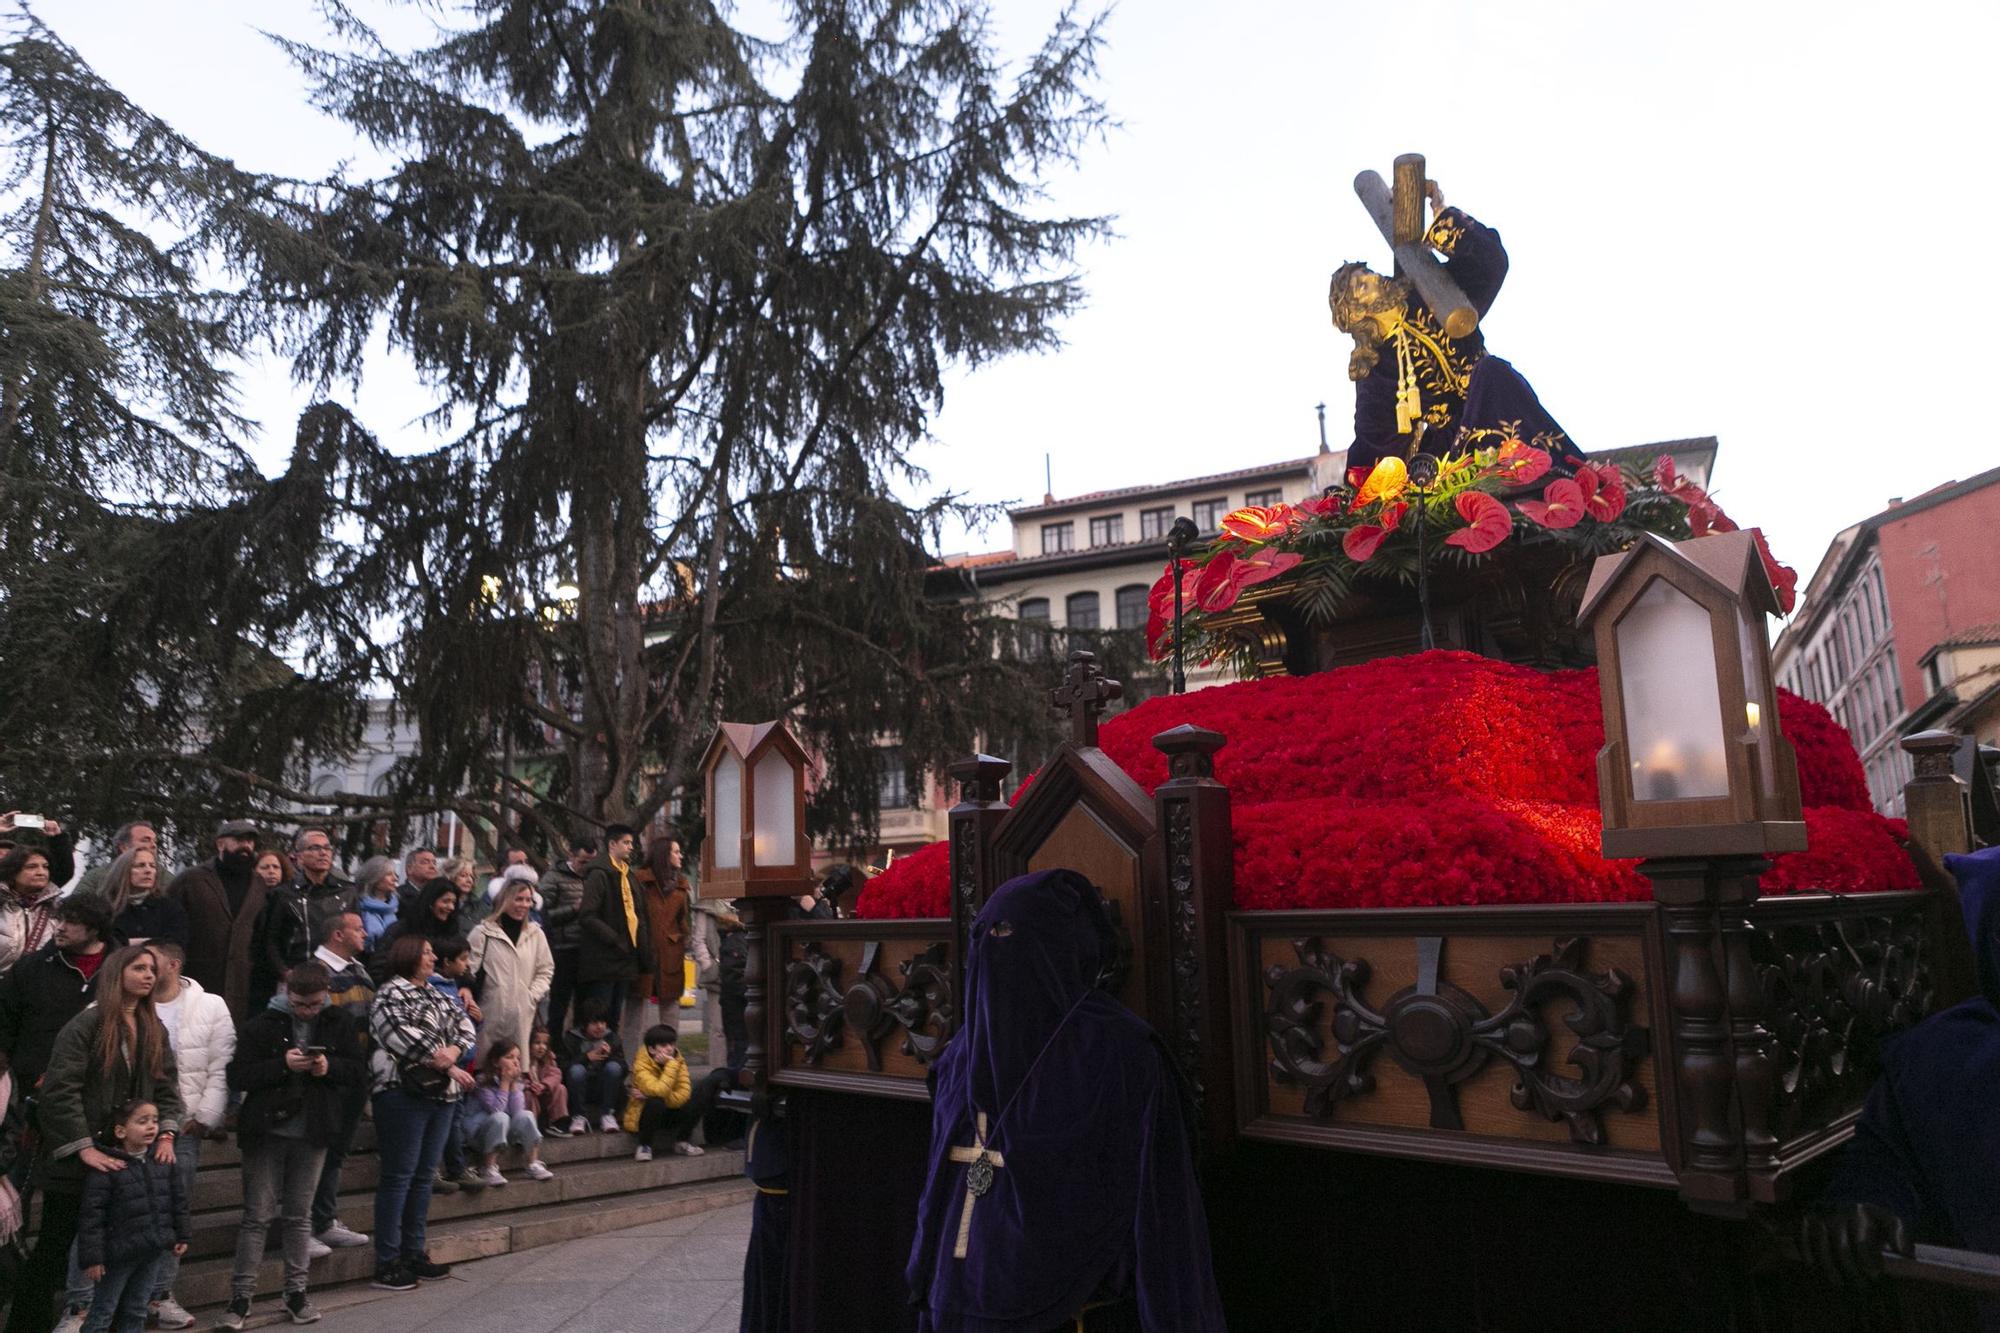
744,737
1726,559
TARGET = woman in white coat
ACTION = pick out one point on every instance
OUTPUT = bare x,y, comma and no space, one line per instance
514,964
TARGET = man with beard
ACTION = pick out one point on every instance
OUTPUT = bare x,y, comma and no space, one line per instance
223,900
295,913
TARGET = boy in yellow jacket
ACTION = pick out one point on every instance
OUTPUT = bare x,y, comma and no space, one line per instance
665,1105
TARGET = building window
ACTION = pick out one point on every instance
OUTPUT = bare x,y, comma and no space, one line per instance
1034,614
1264,499
1107,531
1058,537
1080,610
1208,513
1153,523
895,787
1132,606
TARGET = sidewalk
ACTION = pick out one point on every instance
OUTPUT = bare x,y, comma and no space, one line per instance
680,1276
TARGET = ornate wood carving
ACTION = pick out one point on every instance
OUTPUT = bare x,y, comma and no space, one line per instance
821,1010
1437,1032
1832,990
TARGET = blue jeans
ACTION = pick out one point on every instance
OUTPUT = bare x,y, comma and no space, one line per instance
409,1138
187,1158
454,1139
493,1130
121,1295
596,1089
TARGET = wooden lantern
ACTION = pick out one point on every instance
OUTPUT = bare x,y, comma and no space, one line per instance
1693,762
754,777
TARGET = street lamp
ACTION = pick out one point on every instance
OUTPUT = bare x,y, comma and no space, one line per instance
1183,532
755,780
1693,762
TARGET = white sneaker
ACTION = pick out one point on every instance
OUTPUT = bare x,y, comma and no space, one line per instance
608,1123
686,1149
72,1322
340,1237
317,1248
491,1175
538,1170
642,1154
169,1313
577,1124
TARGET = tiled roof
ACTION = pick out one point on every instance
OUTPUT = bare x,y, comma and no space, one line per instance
1972,634
1161,488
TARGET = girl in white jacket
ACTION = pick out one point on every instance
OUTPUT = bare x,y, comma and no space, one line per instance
203,1036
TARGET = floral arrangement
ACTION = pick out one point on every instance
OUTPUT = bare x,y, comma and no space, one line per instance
1442,779
1381,525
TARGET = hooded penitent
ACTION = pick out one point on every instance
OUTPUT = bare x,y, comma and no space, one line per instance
1087,1196
1928,1143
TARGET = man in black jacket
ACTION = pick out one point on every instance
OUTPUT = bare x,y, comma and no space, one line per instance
613,945
295,913
293,1064
49,987
562,908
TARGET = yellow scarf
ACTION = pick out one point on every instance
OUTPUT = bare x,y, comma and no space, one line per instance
631,911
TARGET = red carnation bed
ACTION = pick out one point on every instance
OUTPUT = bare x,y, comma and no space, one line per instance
1443,779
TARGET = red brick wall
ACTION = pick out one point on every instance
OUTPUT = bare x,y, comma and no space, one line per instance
1959,540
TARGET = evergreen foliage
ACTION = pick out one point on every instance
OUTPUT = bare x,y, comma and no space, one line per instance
684,299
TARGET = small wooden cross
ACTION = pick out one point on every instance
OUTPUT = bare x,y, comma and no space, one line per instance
982,1163
1083,695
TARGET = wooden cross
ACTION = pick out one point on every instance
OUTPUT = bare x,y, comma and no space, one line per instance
1398,212
982,1163
1083,695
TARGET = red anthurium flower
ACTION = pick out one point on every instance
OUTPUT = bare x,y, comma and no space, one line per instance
1561,505
1214,589
1609,502
1160,597
1519,463
1319,506
1392,516
1356,476
1225,577
1487,522
1784,579
1260,523
1362,542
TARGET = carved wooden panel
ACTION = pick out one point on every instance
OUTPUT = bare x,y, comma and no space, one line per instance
864,1006
1424,1034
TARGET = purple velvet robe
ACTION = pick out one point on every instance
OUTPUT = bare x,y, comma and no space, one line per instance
1096,1204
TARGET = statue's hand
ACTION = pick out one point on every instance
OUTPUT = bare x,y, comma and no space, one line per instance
1434,193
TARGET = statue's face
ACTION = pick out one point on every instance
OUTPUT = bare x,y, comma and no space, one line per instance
1363,300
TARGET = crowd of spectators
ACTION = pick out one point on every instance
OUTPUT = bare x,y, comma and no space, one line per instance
261,993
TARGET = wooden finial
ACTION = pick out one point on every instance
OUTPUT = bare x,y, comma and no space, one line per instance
1083,694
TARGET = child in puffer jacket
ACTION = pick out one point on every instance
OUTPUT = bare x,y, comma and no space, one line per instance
131,1219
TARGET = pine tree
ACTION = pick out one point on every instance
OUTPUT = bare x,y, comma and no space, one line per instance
117,424
685,299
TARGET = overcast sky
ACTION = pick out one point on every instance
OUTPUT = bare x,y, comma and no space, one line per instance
1757,220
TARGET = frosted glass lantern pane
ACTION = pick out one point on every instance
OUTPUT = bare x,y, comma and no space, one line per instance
1761,714
1673,709
727,817
777,840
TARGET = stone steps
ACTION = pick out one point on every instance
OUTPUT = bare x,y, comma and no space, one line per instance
597,1187
205,1282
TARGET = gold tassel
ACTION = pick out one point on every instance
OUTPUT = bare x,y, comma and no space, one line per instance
1409,403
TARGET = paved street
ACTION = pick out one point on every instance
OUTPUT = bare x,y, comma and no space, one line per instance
678,1276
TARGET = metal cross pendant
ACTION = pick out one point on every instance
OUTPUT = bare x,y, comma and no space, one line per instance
981,1162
